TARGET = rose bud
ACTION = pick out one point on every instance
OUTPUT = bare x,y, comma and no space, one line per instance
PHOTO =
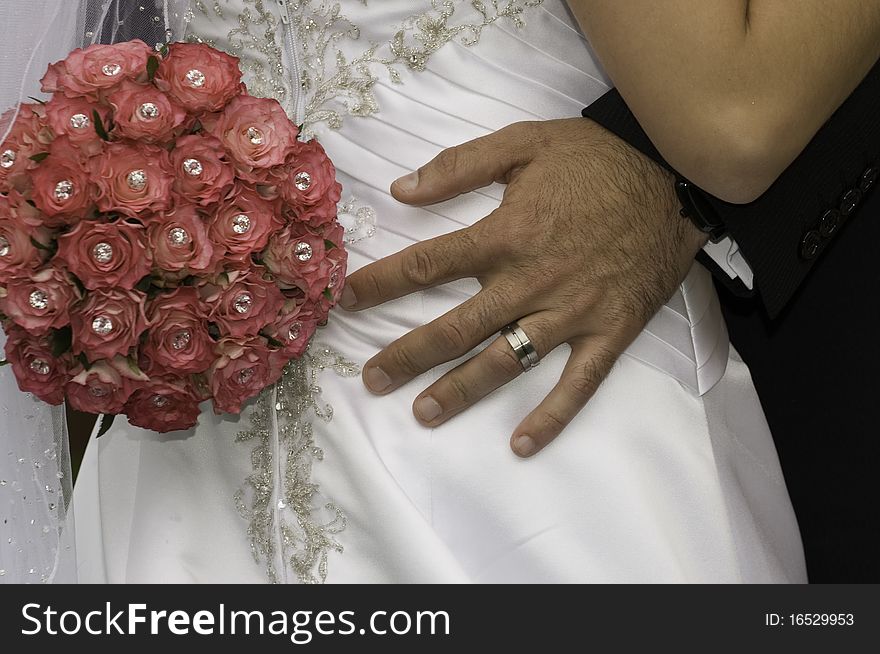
35,368
102,255
297,257
243,368
105,386
27,137
19,254
242,224
144,113
180,245
40,302
73,117
256,133
202,172
338,258
311,178
294,327
90,72
108,322
246,304
132,179
178,339
163,405
198,77
62,188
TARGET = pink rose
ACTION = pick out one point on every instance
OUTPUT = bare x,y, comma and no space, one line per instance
62,188
106,254
90,72
178,340
294,327
34,366
321,214
311,178
18,253
202,172
105,386
198,77
243,222
163,405
242,369
256,133
108,322
132,178
246,304
180,244
22,212
143,113
297,257
40,302
73,117
27,137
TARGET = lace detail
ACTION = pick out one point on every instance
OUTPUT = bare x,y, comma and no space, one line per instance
279,499
359,221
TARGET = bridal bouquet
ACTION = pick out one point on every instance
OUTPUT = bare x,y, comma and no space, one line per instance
165,238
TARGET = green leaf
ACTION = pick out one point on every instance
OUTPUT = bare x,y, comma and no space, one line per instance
328,294
164,50
329,244
39,245
274,342
106,423
30,97
133,366
4,362
39,156
61,340
99,125
152,67
81,357
144,285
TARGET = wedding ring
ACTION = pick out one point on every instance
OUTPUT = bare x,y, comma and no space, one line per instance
522,346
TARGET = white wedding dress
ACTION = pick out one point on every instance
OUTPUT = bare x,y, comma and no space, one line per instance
669,475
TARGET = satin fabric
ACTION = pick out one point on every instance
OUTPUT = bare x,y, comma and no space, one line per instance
669,475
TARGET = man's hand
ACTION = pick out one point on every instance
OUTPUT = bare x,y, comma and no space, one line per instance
586,246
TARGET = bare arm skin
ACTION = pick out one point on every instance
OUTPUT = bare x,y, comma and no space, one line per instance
731,91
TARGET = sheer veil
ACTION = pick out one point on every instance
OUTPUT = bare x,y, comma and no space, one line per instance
36,523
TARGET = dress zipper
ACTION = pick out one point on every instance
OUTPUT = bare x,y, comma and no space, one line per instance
294,59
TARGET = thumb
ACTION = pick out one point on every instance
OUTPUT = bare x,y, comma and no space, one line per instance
464,168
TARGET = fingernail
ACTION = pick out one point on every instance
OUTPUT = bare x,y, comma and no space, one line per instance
408,183
524,445
376,379
348,299
427,408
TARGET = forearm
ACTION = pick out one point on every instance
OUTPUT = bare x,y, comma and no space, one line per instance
731,91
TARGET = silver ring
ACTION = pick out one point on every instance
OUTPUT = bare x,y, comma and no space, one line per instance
522,346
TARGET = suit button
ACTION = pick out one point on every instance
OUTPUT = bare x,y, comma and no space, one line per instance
869,177
810,245
850,201
829,222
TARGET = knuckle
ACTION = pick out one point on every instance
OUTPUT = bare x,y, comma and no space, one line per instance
446,163
450,335
459,391
404,361
419,268
582,387
552,422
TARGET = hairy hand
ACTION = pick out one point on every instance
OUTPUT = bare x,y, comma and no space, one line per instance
585,247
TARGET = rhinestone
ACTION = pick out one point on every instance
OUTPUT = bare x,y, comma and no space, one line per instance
148,111
63,190
7,159
111,70
137,180
303,251
159,401
4,246
192,167
302,181
79,121
181,339
97,391
334,279
245,375
241,223
243,302
178,237
40,367
102,325
38,300
103,252
294,331
255,135
196,78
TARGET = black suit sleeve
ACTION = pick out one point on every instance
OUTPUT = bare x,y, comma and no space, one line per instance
783,233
